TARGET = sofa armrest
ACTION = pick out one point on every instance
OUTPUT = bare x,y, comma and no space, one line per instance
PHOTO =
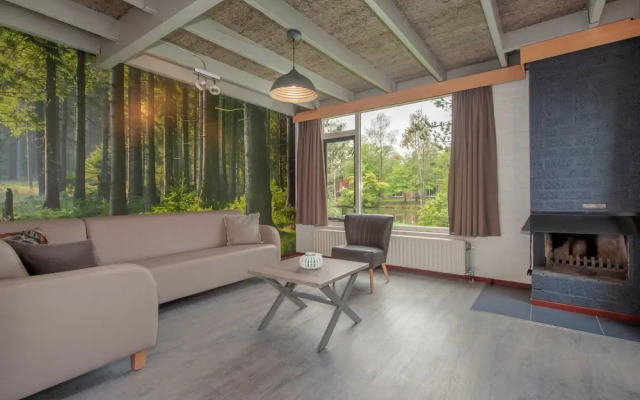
58,326
270,235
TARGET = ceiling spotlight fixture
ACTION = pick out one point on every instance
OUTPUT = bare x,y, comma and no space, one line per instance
202,81
293,87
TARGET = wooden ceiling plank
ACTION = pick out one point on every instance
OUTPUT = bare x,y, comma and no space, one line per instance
596,7
74,14
226,72
288,17
490,9
183,74
217,33
139,30
28,22
398,24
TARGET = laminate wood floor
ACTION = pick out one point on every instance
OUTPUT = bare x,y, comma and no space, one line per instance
418,340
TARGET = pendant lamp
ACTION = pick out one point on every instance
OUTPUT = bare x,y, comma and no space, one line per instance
293,87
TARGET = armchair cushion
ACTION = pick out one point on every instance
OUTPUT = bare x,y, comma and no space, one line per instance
350,252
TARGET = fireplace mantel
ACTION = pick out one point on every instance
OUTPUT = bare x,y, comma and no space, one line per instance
597,223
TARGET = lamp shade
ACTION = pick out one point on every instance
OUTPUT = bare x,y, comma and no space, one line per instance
293,87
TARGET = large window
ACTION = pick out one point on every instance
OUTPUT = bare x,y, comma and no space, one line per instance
391,161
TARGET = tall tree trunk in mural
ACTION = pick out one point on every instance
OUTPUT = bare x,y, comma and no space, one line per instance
233,156
51,192
257,188
63,115
291,170
197,133
79,190
201,133
224,129
136,182
211,156
169,132
118,200
104,180
152,191
186,165
39,145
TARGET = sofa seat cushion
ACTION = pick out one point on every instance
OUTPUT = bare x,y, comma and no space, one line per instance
184,274
350,252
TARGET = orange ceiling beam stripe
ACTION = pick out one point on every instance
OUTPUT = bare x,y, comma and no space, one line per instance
414,94
582,40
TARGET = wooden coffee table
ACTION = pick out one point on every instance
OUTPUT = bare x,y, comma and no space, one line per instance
331,271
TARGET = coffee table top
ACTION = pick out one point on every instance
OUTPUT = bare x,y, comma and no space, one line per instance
289,270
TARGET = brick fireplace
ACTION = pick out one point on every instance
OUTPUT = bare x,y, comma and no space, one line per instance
585,178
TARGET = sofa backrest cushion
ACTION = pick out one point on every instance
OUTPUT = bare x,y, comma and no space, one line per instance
10,265
64,230
136,237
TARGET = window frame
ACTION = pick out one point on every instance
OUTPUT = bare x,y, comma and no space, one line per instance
356,135
337,138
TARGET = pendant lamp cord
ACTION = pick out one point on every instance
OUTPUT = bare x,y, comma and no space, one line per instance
294,53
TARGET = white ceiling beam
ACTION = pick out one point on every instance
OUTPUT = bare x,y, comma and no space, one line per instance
490,9
148,6
74,14
596,7
227,73
398,24
217,33
287,16
183,74
139,30
576,22
28,22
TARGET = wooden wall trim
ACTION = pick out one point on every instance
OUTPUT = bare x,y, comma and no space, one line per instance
629,318
593,37
582,40
415,94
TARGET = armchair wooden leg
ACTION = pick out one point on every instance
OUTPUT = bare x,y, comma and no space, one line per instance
371,280
384,269
139,360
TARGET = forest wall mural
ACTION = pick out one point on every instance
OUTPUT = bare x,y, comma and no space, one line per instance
79,142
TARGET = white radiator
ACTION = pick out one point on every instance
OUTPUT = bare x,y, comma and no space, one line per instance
447,255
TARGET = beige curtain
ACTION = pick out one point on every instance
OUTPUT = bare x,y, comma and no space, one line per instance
311,204
473,172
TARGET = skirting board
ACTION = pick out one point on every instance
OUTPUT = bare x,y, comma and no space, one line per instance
490,281
632,319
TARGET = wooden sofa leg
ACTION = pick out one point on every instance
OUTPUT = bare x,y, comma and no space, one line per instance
371,280
386,274
139,360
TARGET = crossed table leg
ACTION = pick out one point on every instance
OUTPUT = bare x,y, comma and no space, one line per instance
338,301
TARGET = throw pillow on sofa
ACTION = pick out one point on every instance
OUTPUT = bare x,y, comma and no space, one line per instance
243,229
34,236
41,259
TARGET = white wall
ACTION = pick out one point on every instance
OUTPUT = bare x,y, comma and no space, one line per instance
505,257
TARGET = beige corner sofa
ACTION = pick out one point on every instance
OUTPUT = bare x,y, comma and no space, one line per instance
58,326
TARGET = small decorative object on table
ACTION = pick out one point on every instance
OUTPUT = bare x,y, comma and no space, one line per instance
311,261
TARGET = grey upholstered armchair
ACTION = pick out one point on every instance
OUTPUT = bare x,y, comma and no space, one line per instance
367,241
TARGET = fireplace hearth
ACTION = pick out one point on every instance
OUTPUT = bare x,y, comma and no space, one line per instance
585,259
